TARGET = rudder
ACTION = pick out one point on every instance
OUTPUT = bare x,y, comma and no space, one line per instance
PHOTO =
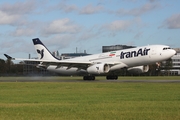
42,51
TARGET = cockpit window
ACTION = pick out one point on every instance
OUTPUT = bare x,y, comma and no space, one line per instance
166,48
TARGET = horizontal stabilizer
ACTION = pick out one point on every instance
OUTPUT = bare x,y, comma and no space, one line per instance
8,57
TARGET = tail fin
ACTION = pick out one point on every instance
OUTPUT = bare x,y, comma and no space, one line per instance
42,51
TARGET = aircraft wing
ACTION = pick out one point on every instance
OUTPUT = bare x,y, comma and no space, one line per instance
59,63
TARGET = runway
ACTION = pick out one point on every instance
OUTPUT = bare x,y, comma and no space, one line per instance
49,79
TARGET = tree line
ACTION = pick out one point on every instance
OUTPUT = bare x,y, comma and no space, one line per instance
7,67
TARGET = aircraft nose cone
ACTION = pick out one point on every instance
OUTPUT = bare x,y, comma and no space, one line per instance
173,52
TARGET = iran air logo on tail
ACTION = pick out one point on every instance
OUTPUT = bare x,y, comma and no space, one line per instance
41,52
112,54
131,54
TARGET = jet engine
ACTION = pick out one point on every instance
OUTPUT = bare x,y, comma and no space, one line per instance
98,68
138,69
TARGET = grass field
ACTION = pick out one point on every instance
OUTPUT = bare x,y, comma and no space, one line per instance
89,100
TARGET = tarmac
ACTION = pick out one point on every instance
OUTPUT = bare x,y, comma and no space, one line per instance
44,79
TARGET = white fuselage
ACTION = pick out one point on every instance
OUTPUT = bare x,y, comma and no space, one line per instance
123,58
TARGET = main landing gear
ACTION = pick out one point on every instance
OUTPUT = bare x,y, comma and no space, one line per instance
109,77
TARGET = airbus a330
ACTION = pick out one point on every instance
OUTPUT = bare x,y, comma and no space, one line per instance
103,63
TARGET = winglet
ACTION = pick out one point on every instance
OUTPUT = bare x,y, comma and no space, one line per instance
8,57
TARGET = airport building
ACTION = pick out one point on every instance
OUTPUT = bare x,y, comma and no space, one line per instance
175,70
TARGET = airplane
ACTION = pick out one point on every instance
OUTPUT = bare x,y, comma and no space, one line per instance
108,63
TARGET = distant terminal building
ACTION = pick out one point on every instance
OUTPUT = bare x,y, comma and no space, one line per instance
115,47
176,63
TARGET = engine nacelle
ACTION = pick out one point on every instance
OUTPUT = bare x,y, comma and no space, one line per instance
98,68
138,69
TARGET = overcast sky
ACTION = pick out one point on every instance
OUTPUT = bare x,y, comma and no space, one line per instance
64,25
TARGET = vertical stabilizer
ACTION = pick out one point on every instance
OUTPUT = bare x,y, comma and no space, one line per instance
42,51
